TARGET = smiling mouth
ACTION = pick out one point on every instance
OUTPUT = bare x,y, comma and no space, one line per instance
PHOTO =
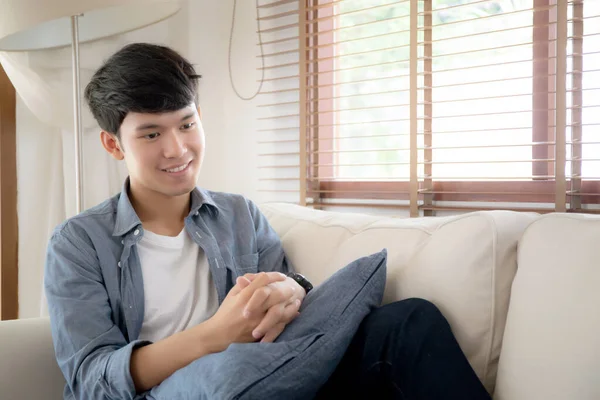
177,169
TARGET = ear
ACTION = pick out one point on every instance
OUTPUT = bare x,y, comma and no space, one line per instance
199,113
111,145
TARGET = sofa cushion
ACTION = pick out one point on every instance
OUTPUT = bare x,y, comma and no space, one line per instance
28,368
551,343
463,264
302,358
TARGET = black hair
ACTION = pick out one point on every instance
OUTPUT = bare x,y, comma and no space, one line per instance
143,78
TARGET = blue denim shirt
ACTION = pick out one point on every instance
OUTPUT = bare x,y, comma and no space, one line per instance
94,285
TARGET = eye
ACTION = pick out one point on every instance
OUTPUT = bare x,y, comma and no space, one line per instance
188,126
151,136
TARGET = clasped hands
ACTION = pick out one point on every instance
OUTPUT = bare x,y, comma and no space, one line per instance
278,302
257,308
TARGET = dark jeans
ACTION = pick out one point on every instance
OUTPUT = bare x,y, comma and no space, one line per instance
404,350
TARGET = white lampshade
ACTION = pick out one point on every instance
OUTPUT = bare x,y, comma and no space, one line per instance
45,24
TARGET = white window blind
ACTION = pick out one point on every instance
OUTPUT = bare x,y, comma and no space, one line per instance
444,105
359,138
476,120
279,102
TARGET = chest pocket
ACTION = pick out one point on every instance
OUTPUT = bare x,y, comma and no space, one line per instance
247,263
239,264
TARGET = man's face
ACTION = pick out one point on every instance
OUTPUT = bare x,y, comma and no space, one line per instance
163,152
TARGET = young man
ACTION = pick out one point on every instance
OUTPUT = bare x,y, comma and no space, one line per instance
165,273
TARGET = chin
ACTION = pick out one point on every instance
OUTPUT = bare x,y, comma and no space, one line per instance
175,192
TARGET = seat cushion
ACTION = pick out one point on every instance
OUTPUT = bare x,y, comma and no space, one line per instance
302,358
552,342
463,264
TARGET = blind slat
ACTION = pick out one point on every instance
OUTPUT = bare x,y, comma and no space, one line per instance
276,3
360,10
279,53
280,15
343,28
279,41
278,28
281,78
291,64
362,53
345,41
488,17
279,104
381,78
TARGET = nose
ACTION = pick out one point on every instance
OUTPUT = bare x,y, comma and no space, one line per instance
174,146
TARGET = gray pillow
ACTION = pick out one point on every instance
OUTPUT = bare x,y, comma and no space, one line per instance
302,358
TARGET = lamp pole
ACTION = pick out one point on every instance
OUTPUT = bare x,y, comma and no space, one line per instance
77,114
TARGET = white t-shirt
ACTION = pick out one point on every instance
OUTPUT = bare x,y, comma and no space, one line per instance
178,287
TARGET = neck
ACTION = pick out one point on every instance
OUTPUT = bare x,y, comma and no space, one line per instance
161,214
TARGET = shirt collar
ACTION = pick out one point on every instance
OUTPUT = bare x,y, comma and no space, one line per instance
200,197
127,218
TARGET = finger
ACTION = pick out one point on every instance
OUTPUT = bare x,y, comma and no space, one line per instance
261,279
272,318
257,303
240,284
282,293
276,276
250,276
273,333
291,312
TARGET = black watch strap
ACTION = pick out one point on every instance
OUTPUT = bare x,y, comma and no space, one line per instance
302,281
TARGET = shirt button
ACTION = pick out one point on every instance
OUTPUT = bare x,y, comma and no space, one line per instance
136,232
122,242
119,264
196,213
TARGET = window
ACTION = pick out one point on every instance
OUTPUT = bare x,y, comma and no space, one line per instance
449,104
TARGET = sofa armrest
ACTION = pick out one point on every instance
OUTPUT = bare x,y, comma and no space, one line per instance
28,368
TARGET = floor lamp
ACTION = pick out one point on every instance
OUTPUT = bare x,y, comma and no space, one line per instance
29,25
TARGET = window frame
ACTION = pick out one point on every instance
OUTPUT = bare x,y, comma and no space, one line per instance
541,189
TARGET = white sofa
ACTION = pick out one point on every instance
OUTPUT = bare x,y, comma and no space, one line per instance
519,290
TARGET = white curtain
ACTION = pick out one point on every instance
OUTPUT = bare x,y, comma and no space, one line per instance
45,144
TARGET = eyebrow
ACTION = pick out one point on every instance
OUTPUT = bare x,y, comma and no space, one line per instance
144,127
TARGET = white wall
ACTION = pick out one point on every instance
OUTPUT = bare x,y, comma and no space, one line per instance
230,123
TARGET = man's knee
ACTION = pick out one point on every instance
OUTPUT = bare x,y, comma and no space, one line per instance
414,313
409,306
423,307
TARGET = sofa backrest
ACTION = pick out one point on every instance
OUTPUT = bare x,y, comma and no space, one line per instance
463,264
551,345
28,368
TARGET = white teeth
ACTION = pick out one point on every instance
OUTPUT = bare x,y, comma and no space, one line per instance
177,169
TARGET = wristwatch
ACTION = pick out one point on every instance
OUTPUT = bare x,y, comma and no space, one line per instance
302,281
